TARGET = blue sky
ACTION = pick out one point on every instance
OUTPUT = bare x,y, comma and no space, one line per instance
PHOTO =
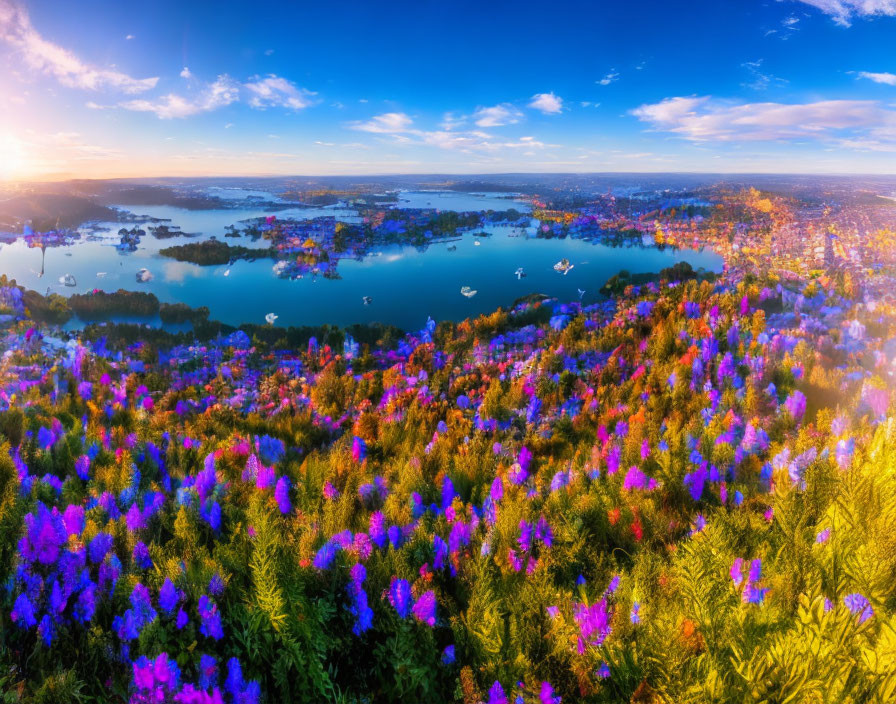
101,88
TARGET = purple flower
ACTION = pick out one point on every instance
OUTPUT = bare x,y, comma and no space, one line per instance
264,477
753,594
134,519
546,694
695,481
45,534
543,532
86,606
82,467
23,612
377,529
635,479
525,539
141,556
425,608
858,604
496,491
73,517
210,618
359,449
737,571
400,596
208,672
796,405
359,608
126,626
281,494
613,458
593,622
755,573
496,694
440,552
99,547
141,603
168,596
844,451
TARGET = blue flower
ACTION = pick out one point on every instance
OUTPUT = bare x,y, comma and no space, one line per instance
858,604
448,655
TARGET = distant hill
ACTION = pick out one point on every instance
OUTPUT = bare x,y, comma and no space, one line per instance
49,210
160,195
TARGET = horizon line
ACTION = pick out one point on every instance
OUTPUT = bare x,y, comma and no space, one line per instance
70,178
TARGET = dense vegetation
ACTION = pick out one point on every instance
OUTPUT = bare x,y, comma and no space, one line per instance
683,494
212,252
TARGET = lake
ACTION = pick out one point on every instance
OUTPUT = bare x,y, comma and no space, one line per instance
406,284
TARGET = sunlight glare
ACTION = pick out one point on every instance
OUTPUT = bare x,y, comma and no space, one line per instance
12,157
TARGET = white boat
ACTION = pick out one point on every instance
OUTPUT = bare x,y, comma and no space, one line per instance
271,318
68,280
563,266
144,275
519,273
367,300
468,292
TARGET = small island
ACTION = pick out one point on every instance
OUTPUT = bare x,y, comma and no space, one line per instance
214,253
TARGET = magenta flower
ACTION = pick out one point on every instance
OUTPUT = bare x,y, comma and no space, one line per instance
425,608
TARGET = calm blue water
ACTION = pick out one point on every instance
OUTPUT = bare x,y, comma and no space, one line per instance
406,284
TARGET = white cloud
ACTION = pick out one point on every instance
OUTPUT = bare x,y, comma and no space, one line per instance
885,78
129,37
497,115
844,11
186,73
548,103
701,119
42,55
275,91
758,79
221,93
387,123
398,129
611,77
475,141
452,121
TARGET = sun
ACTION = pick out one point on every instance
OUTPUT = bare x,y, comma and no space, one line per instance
13,161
